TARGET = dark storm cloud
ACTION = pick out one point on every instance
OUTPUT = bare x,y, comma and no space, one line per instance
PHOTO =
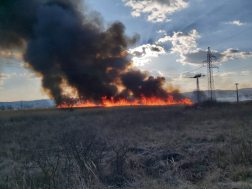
62,44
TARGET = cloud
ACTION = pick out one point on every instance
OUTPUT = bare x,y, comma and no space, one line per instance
186,45
4,76
227,74
161,31
142,54
181,42
235,22
233,54
10,55
30,76
246,72
10,58
158,73
196,57
186,75
157,9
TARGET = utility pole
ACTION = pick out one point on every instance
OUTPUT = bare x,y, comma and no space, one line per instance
198,88
237,95
210,66
21,105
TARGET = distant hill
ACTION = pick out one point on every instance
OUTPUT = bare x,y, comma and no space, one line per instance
221,95
35,104
225,95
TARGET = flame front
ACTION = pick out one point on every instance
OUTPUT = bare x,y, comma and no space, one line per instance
144,101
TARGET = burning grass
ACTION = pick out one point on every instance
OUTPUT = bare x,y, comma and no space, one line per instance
127,147
144,101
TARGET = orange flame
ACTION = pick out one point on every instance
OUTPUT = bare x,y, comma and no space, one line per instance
144,101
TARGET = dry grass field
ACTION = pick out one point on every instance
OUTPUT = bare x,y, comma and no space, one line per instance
128,147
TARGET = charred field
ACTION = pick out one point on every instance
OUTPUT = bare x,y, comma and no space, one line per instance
128,147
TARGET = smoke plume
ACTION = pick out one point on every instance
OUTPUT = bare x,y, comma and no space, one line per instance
61,43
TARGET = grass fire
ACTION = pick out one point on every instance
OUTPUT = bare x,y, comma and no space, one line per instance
152,101
64,45
119,110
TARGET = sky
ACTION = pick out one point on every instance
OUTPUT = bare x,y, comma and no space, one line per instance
174,37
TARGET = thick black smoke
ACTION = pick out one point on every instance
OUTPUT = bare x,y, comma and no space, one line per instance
135,81
61,43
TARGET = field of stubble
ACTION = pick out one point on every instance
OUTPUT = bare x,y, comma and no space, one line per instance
127,147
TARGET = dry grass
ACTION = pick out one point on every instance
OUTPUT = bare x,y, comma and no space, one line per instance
127,147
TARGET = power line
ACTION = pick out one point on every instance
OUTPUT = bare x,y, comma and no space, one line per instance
195,69
70,69
232,36
237,75
176,76
236,68
75,70
41,68
224,41
12,66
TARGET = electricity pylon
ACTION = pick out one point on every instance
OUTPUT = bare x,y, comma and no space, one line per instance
210,66
198,88
237,95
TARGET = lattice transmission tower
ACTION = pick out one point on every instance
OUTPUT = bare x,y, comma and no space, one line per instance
197,76
210,66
